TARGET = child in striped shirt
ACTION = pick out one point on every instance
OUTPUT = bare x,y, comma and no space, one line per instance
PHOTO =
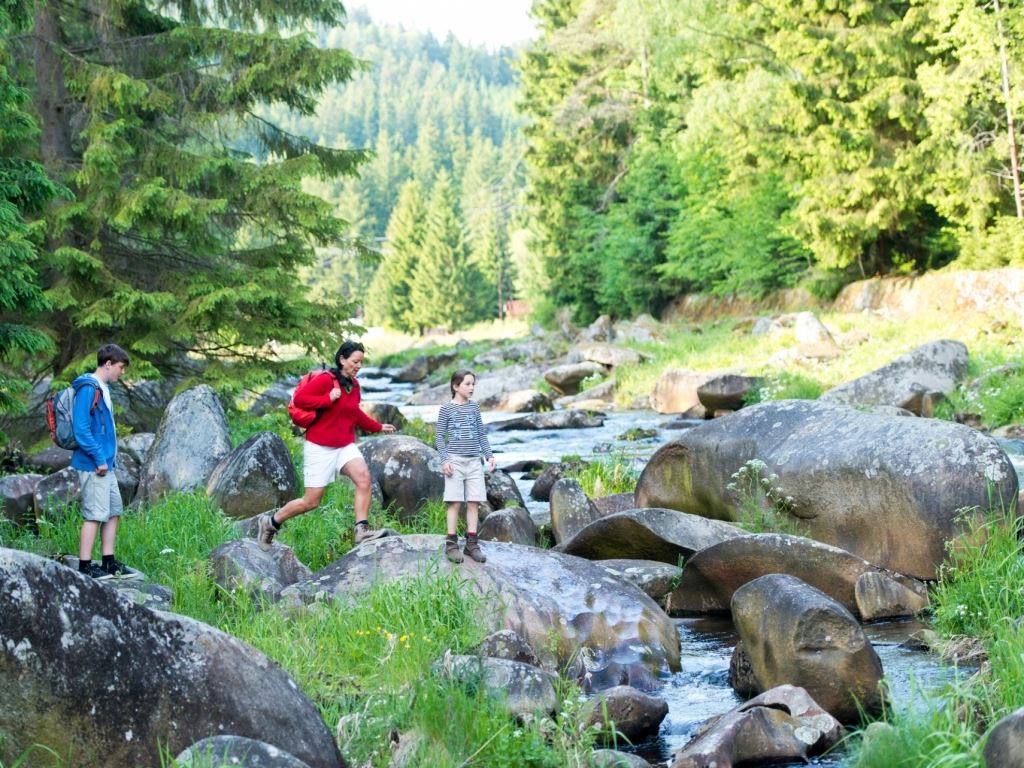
462,440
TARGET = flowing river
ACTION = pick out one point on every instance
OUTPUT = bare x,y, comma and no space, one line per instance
700,690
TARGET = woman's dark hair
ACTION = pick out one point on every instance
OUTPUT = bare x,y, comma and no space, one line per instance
458,377
110,353
345,351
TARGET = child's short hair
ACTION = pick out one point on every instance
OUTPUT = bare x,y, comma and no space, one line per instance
458,377
345,351
111,353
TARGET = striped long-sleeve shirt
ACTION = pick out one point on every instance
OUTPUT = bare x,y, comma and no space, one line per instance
460,431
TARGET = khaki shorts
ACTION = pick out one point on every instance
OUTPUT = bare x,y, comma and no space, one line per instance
321,465
467,480
101,498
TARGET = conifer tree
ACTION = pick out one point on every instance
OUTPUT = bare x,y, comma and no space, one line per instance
189,223
389,301
443,281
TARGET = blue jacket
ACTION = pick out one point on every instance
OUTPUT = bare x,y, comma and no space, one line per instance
97,441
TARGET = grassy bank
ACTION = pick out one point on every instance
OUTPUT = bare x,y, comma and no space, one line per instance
367,663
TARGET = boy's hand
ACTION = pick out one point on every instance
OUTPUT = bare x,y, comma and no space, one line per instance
101,470
448,469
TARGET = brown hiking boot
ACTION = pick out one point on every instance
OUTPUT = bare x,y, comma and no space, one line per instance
451,549
472,549
366,533
266,531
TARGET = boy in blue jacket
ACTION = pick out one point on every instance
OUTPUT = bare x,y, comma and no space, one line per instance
95,459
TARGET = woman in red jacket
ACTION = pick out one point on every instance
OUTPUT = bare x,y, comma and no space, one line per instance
330,445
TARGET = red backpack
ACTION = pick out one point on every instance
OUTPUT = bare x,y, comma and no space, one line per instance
302,417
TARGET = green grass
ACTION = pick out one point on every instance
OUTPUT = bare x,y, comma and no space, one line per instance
369,657
606,476
980,593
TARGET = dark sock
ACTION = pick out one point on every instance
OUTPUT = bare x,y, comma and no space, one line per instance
83,565
453,537
273,522
108,561
363,522
470,534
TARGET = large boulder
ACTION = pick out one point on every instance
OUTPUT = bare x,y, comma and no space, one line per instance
551,474
675,391
235,750
1004,747
795,634
781,725
565,379
491,388
524,689
525,401
728,392
654,578
407,470
571,509
664,535
713,574
610,355
564,607
138,445
385,413
243,565
890,490
16,494
192,438
626,712
258,475
575,419
51,459
54,493
151,680
512,524
424,365
936,367
502,490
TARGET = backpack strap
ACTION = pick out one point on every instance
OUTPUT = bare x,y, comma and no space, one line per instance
95,395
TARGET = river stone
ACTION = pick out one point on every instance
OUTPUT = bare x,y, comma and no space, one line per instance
938,366
726,392
258,475
565,379
51,459
625,712
551,474
129,472
557,603
385,413
166,680
511,524
675,391
713,574
16,497
655,579
423,366
1005,745
574,419
192,438
616,502
407,470
613,758
795,634
883,595
524,689
571,509
137,445
783,724
243,565
491,389
506,644
525,401
55,493
236,750
889,490
664,535
141,404
610,355
502,490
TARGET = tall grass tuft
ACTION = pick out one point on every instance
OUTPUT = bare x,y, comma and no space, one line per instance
613,474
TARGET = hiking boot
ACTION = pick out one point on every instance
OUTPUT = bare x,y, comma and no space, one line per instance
451,550
366,533
94,571
266,531
472,549
119,570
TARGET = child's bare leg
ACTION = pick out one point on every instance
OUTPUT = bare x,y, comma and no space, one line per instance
453,517
472,516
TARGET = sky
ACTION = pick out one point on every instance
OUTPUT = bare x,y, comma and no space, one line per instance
492,23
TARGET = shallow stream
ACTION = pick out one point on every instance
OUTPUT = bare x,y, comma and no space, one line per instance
700,690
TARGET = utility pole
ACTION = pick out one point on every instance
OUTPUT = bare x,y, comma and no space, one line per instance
1010,127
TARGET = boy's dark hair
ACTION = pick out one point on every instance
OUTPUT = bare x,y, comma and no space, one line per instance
346,349
111,353
458,377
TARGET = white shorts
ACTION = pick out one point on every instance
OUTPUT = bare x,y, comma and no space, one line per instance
467,480
101,498
321,465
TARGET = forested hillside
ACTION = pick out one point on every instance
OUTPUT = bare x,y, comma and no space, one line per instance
431,112
709,145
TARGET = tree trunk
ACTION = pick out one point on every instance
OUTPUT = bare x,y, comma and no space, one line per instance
52,100
1011,128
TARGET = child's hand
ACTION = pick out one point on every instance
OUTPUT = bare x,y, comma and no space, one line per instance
491,464
448,469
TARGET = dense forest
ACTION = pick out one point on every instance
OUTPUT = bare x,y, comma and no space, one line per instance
734,146
207,182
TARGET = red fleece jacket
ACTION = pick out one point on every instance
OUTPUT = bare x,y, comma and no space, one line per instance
337,424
